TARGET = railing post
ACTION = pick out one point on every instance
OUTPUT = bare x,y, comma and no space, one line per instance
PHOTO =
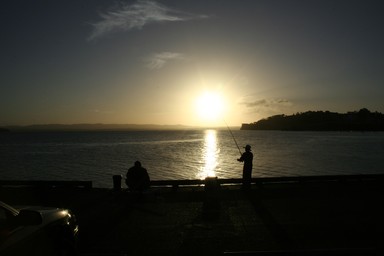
117,182
211,205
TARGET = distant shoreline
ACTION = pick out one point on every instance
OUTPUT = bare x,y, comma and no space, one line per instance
103,128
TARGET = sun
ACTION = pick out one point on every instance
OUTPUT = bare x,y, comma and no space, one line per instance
210,106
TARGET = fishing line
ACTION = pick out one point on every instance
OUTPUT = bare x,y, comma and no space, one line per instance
233,137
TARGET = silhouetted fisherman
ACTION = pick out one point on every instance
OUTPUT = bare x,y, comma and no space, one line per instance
247,158
137,178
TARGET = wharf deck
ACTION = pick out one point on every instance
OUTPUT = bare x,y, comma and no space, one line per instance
292,218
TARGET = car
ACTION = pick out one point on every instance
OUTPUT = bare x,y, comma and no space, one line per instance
32,230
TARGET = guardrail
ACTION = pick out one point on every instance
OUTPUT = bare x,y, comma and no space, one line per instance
47,183
266,180
196,182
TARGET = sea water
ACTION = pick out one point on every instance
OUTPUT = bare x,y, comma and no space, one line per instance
186,154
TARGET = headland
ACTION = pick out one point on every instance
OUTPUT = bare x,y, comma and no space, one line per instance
362,120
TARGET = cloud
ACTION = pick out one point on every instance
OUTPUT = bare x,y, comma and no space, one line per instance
159,60
267,105
98,111
128,17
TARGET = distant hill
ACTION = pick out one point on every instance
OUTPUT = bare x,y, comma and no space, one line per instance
94,127
362,120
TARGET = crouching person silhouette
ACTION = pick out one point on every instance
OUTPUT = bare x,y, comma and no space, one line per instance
137,178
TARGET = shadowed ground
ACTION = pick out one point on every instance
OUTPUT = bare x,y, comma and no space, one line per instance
314,218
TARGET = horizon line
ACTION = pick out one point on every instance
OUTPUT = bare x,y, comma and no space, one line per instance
107,126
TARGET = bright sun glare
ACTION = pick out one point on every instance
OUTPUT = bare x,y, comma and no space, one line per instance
210,106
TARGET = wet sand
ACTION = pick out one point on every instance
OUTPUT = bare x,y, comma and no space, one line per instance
313,218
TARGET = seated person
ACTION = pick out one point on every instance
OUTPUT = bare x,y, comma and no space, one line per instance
137,178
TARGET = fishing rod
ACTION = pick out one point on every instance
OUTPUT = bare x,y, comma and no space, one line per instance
233,137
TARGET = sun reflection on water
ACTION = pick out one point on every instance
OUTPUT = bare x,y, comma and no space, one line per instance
210,154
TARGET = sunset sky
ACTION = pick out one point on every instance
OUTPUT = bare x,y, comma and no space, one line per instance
187,62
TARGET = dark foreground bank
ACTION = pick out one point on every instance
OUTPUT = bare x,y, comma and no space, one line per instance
308,218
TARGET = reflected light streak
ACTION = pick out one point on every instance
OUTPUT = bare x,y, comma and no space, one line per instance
209,154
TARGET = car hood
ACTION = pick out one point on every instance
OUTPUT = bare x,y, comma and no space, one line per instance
49,214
